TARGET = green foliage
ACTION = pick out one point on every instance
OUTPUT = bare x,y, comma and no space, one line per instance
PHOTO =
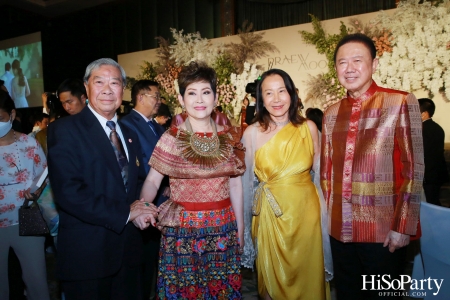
224,67
326,44
148,71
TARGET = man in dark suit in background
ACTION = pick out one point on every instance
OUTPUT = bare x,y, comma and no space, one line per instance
436,172
146,100
96,173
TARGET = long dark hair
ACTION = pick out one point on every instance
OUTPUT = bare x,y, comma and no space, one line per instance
262,115
16,65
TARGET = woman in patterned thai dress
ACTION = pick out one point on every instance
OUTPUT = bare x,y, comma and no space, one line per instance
202,223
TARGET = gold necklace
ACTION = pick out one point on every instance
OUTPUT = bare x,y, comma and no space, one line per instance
207,152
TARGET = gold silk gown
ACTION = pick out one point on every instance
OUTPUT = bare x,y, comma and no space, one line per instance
289,258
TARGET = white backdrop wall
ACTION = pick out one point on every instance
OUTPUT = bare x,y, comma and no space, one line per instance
295,57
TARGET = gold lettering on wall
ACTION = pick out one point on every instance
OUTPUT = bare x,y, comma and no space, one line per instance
303,62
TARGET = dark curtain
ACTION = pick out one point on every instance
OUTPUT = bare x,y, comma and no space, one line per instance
267,14
71,42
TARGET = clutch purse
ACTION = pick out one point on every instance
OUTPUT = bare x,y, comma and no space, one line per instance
31,221
169,214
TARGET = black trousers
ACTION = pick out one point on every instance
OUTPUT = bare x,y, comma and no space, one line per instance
351,261
124,285
432,193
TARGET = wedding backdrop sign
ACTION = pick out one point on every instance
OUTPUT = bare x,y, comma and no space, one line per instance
400,67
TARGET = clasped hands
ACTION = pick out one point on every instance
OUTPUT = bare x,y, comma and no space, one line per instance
143,213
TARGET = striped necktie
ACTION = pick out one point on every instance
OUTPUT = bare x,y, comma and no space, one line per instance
118,150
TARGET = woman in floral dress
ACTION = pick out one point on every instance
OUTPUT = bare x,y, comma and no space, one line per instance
21,160
202,223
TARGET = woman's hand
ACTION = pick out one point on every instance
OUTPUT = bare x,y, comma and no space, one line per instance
32,196
241,241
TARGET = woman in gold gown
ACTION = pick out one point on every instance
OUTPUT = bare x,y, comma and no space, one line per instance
286,227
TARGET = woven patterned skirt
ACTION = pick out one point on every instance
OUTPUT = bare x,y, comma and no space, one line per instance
200,259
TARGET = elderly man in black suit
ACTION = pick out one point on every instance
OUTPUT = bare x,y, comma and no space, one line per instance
436,172
96,171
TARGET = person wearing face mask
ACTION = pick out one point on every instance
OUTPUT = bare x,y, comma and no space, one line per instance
21,160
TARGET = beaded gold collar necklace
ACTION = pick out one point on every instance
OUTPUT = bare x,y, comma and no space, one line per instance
206,151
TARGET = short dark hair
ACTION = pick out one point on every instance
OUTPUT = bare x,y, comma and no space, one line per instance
164,111
40,116
315,115
427,105
74,86
197,71
7,66
141,85
357,38
6,103
262,115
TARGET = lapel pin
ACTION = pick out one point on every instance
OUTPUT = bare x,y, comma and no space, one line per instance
137,161
130,141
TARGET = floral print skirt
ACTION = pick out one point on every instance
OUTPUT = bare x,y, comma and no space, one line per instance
200,259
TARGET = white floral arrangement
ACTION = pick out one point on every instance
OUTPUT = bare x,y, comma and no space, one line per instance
420,56
191,46
240,81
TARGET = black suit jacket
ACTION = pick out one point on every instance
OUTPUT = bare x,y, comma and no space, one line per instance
433,147
148,140
135,122
250,114
94,239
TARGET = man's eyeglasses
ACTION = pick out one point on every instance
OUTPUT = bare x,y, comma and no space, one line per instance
157,97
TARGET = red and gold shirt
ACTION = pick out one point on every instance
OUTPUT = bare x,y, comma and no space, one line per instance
372,165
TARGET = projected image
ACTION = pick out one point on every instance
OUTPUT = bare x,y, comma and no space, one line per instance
21,69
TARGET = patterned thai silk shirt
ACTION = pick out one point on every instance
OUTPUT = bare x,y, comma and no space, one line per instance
372,165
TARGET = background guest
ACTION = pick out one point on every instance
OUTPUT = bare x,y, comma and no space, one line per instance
436,172
41,121
163,116
7,77
250,112
19,86
146,100
219,117
315,115
21,161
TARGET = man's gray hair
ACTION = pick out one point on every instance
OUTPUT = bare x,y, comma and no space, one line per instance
100,62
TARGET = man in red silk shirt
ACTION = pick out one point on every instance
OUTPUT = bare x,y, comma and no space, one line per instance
371,173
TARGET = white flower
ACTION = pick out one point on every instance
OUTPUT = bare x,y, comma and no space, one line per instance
419,57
